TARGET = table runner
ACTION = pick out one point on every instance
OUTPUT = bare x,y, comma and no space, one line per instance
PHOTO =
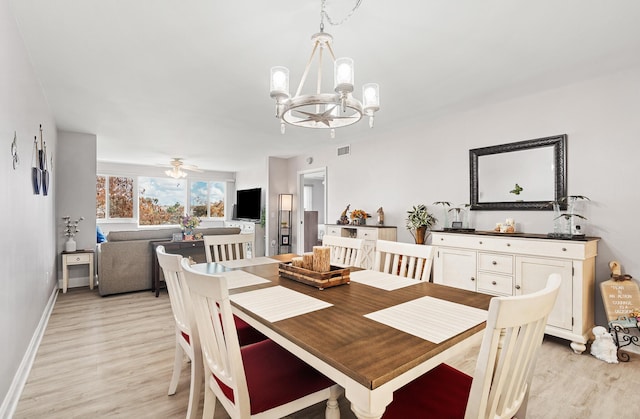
382,280
278,303
241,263
430,318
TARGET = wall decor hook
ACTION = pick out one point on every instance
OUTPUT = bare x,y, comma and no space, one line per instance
14,150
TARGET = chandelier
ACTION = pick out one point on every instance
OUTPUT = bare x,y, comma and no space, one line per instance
324,110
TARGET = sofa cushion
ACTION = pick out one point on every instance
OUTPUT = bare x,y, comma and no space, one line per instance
155,234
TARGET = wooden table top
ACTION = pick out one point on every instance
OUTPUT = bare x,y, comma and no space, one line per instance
368,352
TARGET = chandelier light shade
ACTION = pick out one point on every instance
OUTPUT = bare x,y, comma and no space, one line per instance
323,110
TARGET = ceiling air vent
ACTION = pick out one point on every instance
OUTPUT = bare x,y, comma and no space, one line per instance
344,150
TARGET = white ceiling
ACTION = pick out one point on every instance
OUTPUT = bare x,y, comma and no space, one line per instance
156,79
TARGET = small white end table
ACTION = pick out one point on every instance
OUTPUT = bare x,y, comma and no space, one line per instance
79,257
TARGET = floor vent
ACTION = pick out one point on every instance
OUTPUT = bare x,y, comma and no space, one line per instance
344,150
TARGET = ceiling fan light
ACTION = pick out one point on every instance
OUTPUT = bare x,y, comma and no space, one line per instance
175,173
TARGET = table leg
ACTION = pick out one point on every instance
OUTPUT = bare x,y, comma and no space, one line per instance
65,275
365,403
91,274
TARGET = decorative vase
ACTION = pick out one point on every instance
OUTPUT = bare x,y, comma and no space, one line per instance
557,219
421,234
70,245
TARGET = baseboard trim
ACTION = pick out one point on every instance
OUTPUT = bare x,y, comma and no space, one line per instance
10,402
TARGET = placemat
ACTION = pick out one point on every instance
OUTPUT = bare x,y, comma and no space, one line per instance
430,318
239,279
241,263
278,303
382,280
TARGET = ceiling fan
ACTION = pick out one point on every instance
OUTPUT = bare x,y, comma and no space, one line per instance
177,172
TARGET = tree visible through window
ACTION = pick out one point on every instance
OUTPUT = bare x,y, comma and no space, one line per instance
207,195
114,197
161,200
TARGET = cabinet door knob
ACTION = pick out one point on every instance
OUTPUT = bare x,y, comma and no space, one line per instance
517,287
480,242
494,263
508,244
494,283
564,249
473,279
441,238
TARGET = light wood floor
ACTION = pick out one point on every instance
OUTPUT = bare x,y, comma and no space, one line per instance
112,357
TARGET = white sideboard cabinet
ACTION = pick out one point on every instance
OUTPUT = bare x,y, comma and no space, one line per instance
369,233
516,264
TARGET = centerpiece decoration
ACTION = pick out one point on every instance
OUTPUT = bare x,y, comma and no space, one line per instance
188,224
70,230
419,220
359,217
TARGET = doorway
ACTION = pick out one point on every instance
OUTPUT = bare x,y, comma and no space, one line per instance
312,208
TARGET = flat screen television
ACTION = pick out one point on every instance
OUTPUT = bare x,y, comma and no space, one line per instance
248,204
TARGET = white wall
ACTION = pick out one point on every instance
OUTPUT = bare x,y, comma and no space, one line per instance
76,196
28,251
427,160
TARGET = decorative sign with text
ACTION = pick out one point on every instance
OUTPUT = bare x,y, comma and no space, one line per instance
620,298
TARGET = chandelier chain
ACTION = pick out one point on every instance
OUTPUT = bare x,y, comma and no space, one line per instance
324,14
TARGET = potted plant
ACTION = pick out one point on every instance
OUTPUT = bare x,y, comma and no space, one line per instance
419,220
565,223
188,223
359,217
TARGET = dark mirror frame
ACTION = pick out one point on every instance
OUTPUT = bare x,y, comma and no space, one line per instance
559,144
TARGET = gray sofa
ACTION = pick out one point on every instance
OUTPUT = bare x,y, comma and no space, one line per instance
125,259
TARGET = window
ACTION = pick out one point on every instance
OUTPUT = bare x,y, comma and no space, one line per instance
161,200
207,199
114,197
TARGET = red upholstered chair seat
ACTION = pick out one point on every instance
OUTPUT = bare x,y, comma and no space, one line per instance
275,376
246,333
441,393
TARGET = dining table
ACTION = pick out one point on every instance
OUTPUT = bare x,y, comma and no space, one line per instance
371,335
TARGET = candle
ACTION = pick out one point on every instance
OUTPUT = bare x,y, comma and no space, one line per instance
321,259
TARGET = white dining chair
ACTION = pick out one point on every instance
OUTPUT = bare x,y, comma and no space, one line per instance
504,368
404,259
224,247
345,251
260,380
187,340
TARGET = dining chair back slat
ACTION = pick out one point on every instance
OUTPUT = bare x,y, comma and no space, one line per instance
345,251
404,259
225,247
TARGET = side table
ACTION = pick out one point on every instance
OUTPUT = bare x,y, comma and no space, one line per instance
79,257
193,248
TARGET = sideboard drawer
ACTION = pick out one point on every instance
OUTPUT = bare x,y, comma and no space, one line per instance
367,233
495,284
333,231
494,262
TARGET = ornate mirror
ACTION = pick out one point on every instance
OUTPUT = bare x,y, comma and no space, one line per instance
524,175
